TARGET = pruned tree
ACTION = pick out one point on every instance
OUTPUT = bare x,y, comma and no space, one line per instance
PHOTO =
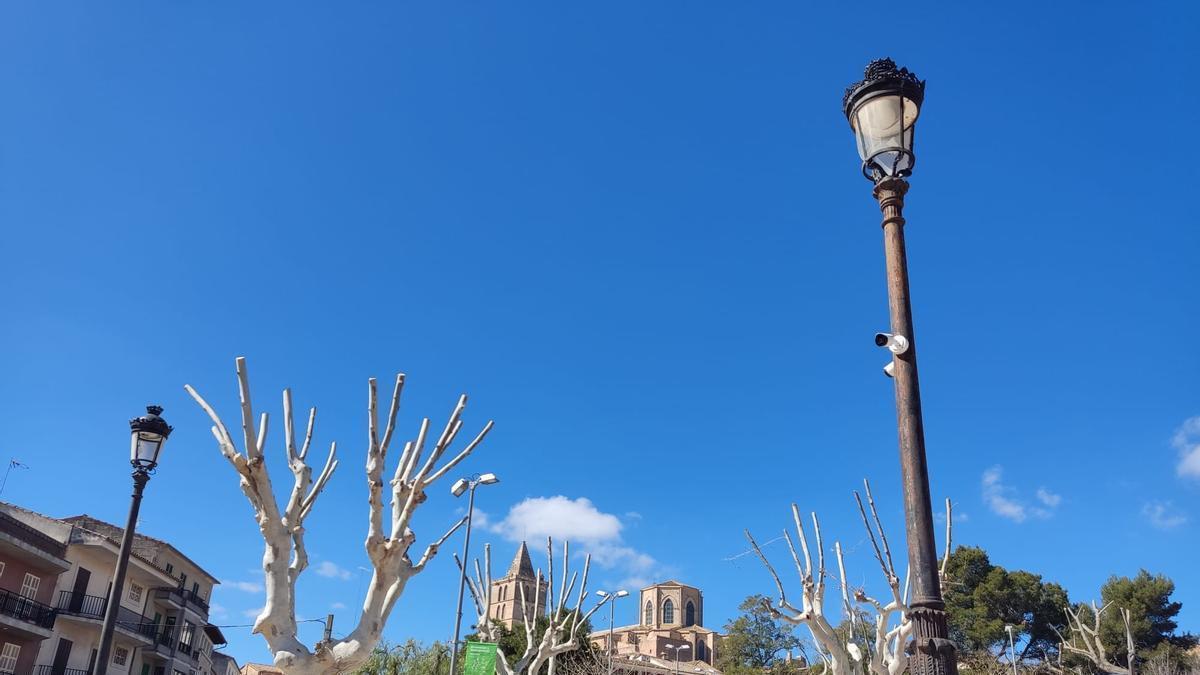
285,556
559,635
883,651
1084,639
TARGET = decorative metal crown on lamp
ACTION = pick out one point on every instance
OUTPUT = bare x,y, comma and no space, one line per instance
148,434
882,109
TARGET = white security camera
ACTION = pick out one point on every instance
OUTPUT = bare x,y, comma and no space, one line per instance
896,344
890,369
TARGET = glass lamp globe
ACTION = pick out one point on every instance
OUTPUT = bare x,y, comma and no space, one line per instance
882,110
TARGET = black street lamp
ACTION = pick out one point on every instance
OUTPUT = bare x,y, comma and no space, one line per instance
882,110
148,434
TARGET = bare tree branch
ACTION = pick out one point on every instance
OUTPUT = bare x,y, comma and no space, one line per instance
285,557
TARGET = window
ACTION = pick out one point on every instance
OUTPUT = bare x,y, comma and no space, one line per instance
689,614
1,569
120,655
649,614
185,640
170,568
29,587
700,650
182,580
195,589
668,615
8,657
135,592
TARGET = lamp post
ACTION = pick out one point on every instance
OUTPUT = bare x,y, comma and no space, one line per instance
882,110
677,649
611,608
1012,647
148,434
460,486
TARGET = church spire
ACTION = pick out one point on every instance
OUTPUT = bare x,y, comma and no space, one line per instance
521,565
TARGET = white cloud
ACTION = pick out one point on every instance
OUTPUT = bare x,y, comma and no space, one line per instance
1005,502
338,605
994,495
558,517
1163,515
1187,441
217,611
479,518
252,613
245,586
329,569
580,522
1048,498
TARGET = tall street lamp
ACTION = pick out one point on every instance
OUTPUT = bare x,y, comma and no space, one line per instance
882,110
460,486
677,649
148,435
611,607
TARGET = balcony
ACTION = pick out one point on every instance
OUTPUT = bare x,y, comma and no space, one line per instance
182,598
23,608
92,607
51,670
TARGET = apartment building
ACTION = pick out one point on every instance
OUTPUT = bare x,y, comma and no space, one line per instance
162,622
30,564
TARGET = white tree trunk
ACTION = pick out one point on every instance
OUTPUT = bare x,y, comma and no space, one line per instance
284,555
886,653
1085,639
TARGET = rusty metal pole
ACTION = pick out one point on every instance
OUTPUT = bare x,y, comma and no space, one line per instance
935,653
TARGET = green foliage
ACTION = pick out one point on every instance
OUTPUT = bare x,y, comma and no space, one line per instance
1148,598
512,643
409,658
754,642
982,598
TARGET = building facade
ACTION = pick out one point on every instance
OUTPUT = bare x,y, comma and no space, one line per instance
30,563
162,622
670,627
519,583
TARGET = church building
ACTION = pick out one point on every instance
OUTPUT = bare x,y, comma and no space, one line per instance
671,626
506,592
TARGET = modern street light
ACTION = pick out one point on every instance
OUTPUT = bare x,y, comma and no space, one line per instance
611,607
677,649
148,434
1012,647
882,110
460,486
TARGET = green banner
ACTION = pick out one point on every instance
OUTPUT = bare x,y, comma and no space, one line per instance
481,658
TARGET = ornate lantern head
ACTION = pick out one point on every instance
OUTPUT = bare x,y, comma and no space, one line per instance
148,434
882,110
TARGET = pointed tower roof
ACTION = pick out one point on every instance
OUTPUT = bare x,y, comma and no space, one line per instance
521,565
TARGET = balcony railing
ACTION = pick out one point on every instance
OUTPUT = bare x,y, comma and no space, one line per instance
93,606
23,608
181,596
51,670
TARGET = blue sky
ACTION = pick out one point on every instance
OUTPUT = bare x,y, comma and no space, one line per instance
635,233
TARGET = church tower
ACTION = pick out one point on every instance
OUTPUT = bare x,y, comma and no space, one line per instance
506,592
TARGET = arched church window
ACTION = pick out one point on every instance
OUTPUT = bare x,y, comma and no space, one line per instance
668,611
649,619
689,614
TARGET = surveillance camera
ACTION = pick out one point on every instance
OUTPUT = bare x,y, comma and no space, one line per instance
896,344
890,369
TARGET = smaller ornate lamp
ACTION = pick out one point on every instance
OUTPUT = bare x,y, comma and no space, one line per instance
149,433
882,110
